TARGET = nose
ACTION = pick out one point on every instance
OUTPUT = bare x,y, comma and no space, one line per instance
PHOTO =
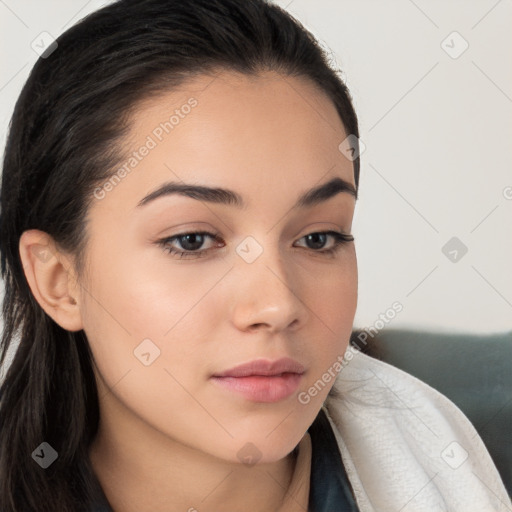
268,295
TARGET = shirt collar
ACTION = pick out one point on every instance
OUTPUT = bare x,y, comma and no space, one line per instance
330,487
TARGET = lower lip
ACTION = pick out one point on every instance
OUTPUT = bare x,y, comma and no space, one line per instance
260,388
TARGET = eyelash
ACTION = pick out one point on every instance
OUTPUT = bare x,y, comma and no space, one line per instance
340,239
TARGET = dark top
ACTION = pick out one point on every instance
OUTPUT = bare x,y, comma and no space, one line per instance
330,489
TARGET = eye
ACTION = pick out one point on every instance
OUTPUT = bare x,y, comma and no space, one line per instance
319,238
192,242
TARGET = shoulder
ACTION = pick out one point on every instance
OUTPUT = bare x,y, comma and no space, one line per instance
401,440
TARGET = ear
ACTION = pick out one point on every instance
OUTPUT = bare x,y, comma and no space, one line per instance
51,277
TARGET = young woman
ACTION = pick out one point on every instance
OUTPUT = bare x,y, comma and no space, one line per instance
180,276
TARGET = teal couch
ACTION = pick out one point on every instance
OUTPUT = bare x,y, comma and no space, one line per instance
473,371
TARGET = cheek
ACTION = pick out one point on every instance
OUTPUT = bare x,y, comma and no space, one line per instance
332,304
147,327
139,311
331,293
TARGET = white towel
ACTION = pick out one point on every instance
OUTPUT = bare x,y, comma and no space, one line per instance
408,448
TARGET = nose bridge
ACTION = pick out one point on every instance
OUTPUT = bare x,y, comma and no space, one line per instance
267,295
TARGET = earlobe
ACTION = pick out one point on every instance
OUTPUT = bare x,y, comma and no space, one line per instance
51,278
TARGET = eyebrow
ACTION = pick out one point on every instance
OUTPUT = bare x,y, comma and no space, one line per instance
218,195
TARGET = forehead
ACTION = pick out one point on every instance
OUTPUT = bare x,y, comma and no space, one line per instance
267,132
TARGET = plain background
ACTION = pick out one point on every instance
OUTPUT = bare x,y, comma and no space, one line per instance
437,126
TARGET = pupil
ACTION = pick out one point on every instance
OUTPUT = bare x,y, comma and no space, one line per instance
316,236
191,245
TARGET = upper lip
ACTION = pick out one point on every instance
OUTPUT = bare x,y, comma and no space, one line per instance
263,367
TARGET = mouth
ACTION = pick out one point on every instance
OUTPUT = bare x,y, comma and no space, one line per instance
262,380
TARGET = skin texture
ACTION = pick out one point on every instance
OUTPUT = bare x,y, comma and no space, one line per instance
169,438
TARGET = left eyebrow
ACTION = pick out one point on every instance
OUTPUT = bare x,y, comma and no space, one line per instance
218,195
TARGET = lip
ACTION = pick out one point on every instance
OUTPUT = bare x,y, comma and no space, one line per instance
264,367
262,380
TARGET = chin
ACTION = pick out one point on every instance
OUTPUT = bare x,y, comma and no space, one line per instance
263,447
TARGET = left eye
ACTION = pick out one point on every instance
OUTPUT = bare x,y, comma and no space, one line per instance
193,241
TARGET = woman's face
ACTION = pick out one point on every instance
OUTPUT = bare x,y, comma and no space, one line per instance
256,287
